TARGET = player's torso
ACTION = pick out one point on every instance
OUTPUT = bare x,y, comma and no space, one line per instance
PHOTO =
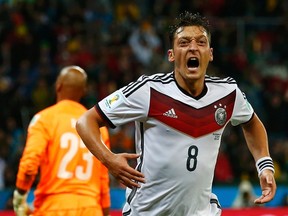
179,142
180,127
67,164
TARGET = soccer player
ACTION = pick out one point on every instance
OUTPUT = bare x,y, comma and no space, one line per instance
72,181
179,119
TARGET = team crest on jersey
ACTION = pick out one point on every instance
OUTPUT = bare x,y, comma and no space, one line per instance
220,114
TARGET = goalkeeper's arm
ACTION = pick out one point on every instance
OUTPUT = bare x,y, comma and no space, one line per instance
20,205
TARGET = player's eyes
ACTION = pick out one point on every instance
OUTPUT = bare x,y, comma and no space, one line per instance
183,43
201,42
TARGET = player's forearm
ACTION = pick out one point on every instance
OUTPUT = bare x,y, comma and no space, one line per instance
256,138
24,181
89,130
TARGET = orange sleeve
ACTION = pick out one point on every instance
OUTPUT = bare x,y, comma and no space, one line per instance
105,189
31,158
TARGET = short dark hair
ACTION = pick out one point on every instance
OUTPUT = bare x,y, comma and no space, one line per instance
189,19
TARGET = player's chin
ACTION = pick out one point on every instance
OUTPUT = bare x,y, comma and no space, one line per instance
193,74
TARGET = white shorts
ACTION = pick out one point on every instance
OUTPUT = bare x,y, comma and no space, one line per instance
215,206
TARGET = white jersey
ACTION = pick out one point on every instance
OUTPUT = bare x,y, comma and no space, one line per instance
178,137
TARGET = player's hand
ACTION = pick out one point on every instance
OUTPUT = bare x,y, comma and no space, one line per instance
123,172
268,187
20,204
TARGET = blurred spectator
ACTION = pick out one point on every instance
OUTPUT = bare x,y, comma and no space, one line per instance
2,169
4,153
145,44
14,139
246,196
41,94
276,109
127,12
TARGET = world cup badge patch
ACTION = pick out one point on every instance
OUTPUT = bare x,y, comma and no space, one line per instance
220,114
113,100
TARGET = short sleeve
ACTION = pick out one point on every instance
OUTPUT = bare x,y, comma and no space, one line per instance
243,111
125,106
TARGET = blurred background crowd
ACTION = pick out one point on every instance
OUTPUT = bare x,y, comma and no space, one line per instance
116,41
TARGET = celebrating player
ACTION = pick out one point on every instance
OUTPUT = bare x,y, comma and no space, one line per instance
179,119
72,181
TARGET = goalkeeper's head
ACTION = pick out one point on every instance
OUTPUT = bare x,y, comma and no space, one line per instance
71,83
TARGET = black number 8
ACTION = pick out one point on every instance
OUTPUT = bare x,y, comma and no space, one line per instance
192,158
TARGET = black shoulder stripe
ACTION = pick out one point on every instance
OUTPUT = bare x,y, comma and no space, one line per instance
132,87
135,84
228,80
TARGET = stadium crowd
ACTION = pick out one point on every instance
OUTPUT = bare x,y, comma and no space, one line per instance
117,41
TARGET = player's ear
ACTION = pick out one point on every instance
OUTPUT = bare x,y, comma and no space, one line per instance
58,86
85,90
171,55
211,54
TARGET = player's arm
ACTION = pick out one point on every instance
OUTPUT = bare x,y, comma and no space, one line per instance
23,185
257,141
87,127
29,163
104,177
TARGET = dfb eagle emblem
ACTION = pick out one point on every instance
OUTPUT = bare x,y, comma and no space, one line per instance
220,114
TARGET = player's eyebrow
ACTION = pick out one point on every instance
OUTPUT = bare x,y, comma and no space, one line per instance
197,37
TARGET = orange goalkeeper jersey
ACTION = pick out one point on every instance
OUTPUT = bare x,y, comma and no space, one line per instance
66,165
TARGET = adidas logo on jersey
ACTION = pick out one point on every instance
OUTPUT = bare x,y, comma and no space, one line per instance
170,113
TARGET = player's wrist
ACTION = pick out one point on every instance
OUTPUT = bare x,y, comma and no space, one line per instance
264,163
21,191
19,194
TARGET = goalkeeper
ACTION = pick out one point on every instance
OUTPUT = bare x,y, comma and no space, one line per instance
72,181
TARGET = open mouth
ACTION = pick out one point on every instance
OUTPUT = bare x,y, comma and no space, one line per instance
192,62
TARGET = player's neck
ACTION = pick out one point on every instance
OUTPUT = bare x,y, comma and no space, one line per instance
193,88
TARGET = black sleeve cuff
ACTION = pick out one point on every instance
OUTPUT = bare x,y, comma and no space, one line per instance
104,117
